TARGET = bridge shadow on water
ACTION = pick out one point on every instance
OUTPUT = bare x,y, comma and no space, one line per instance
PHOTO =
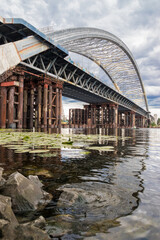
98,186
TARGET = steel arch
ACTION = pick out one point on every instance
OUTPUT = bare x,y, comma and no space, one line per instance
110,53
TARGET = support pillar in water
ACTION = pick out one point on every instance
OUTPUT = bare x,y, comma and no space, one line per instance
25,108
39,110
57,107
3,106
133,119
31,108
45,102
11,106
20,100
60,107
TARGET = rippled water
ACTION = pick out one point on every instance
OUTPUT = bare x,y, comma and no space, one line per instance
125,183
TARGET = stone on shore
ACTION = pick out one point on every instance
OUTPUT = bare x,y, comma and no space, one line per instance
8,221
2,180
6,212
29,232
26,194
38,223
1,172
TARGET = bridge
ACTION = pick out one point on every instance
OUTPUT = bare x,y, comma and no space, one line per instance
35,71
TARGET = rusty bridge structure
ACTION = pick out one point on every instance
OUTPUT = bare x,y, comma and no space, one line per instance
35,71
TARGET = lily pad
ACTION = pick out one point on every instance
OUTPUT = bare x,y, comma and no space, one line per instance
102,148
39,151
22,151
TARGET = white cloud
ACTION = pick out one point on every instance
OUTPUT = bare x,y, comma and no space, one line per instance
152,90
136,22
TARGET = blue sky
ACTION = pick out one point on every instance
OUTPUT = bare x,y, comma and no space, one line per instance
135,22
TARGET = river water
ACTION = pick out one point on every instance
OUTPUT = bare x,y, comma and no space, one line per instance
122,187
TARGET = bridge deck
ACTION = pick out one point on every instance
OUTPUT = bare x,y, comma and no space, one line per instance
40,55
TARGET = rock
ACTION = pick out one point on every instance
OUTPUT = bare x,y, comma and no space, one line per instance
2,183
39,223
8,221
6,212
35,180
1,172
2,180
28,232
25,193
96,200
5,228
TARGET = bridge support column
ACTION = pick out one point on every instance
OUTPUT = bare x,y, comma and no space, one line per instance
132,119
20,100
113,115
110,116
31,108
11,106
116,116
70,118
127,119
143,122
60,107
39,110
25,108
3,107
45,104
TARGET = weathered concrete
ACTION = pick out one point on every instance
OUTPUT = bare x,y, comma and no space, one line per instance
9,57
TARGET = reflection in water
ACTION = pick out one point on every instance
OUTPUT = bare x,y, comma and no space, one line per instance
120,174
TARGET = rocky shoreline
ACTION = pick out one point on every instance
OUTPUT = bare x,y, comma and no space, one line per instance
20,194
95,204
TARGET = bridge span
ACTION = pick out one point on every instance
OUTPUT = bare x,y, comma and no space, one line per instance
35,72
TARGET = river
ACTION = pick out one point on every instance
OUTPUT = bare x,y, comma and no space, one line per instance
121,185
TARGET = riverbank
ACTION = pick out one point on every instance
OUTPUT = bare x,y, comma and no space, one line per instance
19,195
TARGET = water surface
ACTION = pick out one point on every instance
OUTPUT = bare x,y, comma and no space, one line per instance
130,175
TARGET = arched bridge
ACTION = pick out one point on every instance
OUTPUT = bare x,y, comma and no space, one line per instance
111,54
45,67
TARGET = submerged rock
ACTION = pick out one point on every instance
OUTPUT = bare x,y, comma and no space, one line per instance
29,232
26,194
39,223
95,200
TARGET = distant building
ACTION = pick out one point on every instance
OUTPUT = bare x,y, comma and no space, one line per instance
155,118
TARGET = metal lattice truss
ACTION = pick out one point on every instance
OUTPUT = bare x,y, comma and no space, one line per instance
78,84
41,53
110,53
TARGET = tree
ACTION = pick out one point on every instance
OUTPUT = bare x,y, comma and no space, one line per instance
158,121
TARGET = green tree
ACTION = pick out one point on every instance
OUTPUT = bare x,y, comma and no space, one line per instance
158,121
153,124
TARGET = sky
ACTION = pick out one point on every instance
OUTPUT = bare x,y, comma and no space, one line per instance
135,22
